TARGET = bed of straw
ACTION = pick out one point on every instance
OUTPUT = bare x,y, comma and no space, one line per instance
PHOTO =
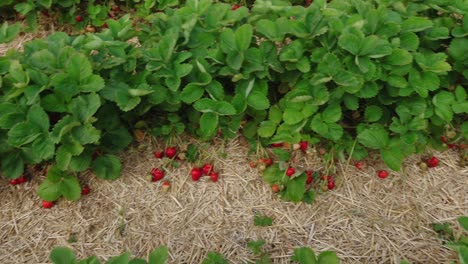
364,219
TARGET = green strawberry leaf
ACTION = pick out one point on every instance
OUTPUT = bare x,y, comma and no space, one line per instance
304,255
373,113
272,174
399,57
59,183
292,116
159,255
392,157
328,257
258,100
191,93
85,106
12,165
62,255
214,258
295,189
107,167
463,221
122,259
416,24
266,129
375,137
23,133
208,124
243,37
275,115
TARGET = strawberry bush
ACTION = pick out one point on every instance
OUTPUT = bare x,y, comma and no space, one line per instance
303,255
354,76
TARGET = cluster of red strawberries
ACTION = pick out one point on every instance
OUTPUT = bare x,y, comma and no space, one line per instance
22,179
207,170
196,173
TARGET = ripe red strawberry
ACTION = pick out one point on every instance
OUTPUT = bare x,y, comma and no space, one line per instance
432,162
207,168
115,8
360,165
158,154
290,171
171,152
443,139
85,190
79,19
331,185
462,146
277,145
310,178
47,204
105,25
45,13
214,176
275,188
252,164
451,145
157,173
14,182
22,179
235,7
267,161
382,174
196,173
166,186
303,145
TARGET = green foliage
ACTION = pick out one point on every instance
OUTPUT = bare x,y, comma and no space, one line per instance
459,244
8,33
295,188
63,255
256,247
214,258
262,220
306,255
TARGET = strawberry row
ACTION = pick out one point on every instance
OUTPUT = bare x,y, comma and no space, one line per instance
351,80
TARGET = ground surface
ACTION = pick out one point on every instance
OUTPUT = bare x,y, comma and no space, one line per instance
365,219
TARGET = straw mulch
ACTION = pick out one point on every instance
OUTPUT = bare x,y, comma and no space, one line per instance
365,219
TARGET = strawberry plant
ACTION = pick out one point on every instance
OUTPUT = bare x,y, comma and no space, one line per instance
459,244
256,247
352,76
306,255
63,255
49,114
262,220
